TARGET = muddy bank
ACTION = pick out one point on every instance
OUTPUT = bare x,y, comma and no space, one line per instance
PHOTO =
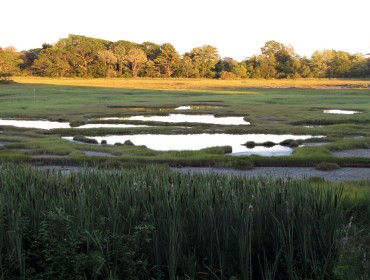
3,143
338,175
48,156
97,154
353,153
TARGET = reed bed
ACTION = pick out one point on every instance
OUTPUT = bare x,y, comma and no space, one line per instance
151,223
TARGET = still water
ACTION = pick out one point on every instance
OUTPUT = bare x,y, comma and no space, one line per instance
163,142
40,124
43,124
341,112
181,118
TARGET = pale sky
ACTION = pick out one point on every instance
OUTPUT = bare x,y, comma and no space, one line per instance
237,28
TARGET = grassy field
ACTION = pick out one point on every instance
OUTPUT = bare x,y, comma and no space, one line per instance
271,106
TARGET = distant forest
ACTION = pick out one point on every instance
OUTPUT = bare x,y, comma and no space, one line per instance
81,56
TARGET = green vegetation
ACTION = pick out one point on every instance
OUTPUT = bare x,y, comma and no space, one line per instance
326,166
109,222
269,110
151,223
81,56
84,139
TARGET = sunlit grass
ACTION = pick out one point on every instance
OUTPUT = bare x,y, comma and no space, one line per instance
197,84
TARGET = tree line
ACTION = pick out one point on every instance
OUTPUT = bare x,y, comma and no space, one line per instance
81,56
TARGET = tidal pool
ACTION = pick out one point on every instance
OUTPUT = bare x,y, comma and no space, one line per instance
3,143
194,107
43,124
180,118
342,112
184,107
163,142
40,124
109,125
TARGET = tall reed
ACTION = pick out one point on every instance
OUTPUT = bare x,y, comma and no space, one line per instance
152,223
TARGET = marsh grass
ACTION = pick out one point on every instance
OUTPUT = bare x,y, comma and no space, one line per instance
151,223
272,106
327,166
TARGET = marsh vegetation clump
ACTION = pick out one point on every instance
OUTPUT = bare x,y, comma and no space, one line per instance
250,144
128,142
291,143
77,123
268,144
327,166
84,139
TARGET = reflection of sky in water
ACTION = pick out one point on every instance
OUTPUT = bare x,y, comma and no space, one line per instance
35,124
343,112
162,142
274,151
179,118
41,124
109,125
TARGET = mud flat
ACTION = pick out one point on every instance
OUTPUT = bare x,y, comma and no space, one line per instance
338,175
97,154
364,153
3,143
49,156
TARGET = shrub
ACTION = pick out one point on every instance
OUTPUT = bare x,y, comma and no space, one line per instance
76,123
250,144
290,143
327,166
84,139
128,143
268,144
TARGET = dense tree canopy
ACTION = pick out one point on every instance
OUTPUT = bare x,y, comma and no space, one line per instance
81,56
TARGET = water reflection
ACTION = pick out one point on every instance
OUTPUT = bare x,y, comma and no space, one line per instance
183,107
180,118
162,142
40,124
110,125
342,112
275,151
3,143
43,124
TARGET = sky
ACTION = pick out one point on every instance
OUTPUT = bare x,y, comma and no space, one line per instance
237,28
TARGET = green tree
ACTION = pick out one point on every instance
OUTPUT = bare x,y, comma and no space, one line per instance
83,53
265,67
204,60
340,65
279,56
120,53
320,63
52,62
29,58
151,70
10,60
136,58
120,50
110,60
152,50
186,68
168,59
229,68
359,66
